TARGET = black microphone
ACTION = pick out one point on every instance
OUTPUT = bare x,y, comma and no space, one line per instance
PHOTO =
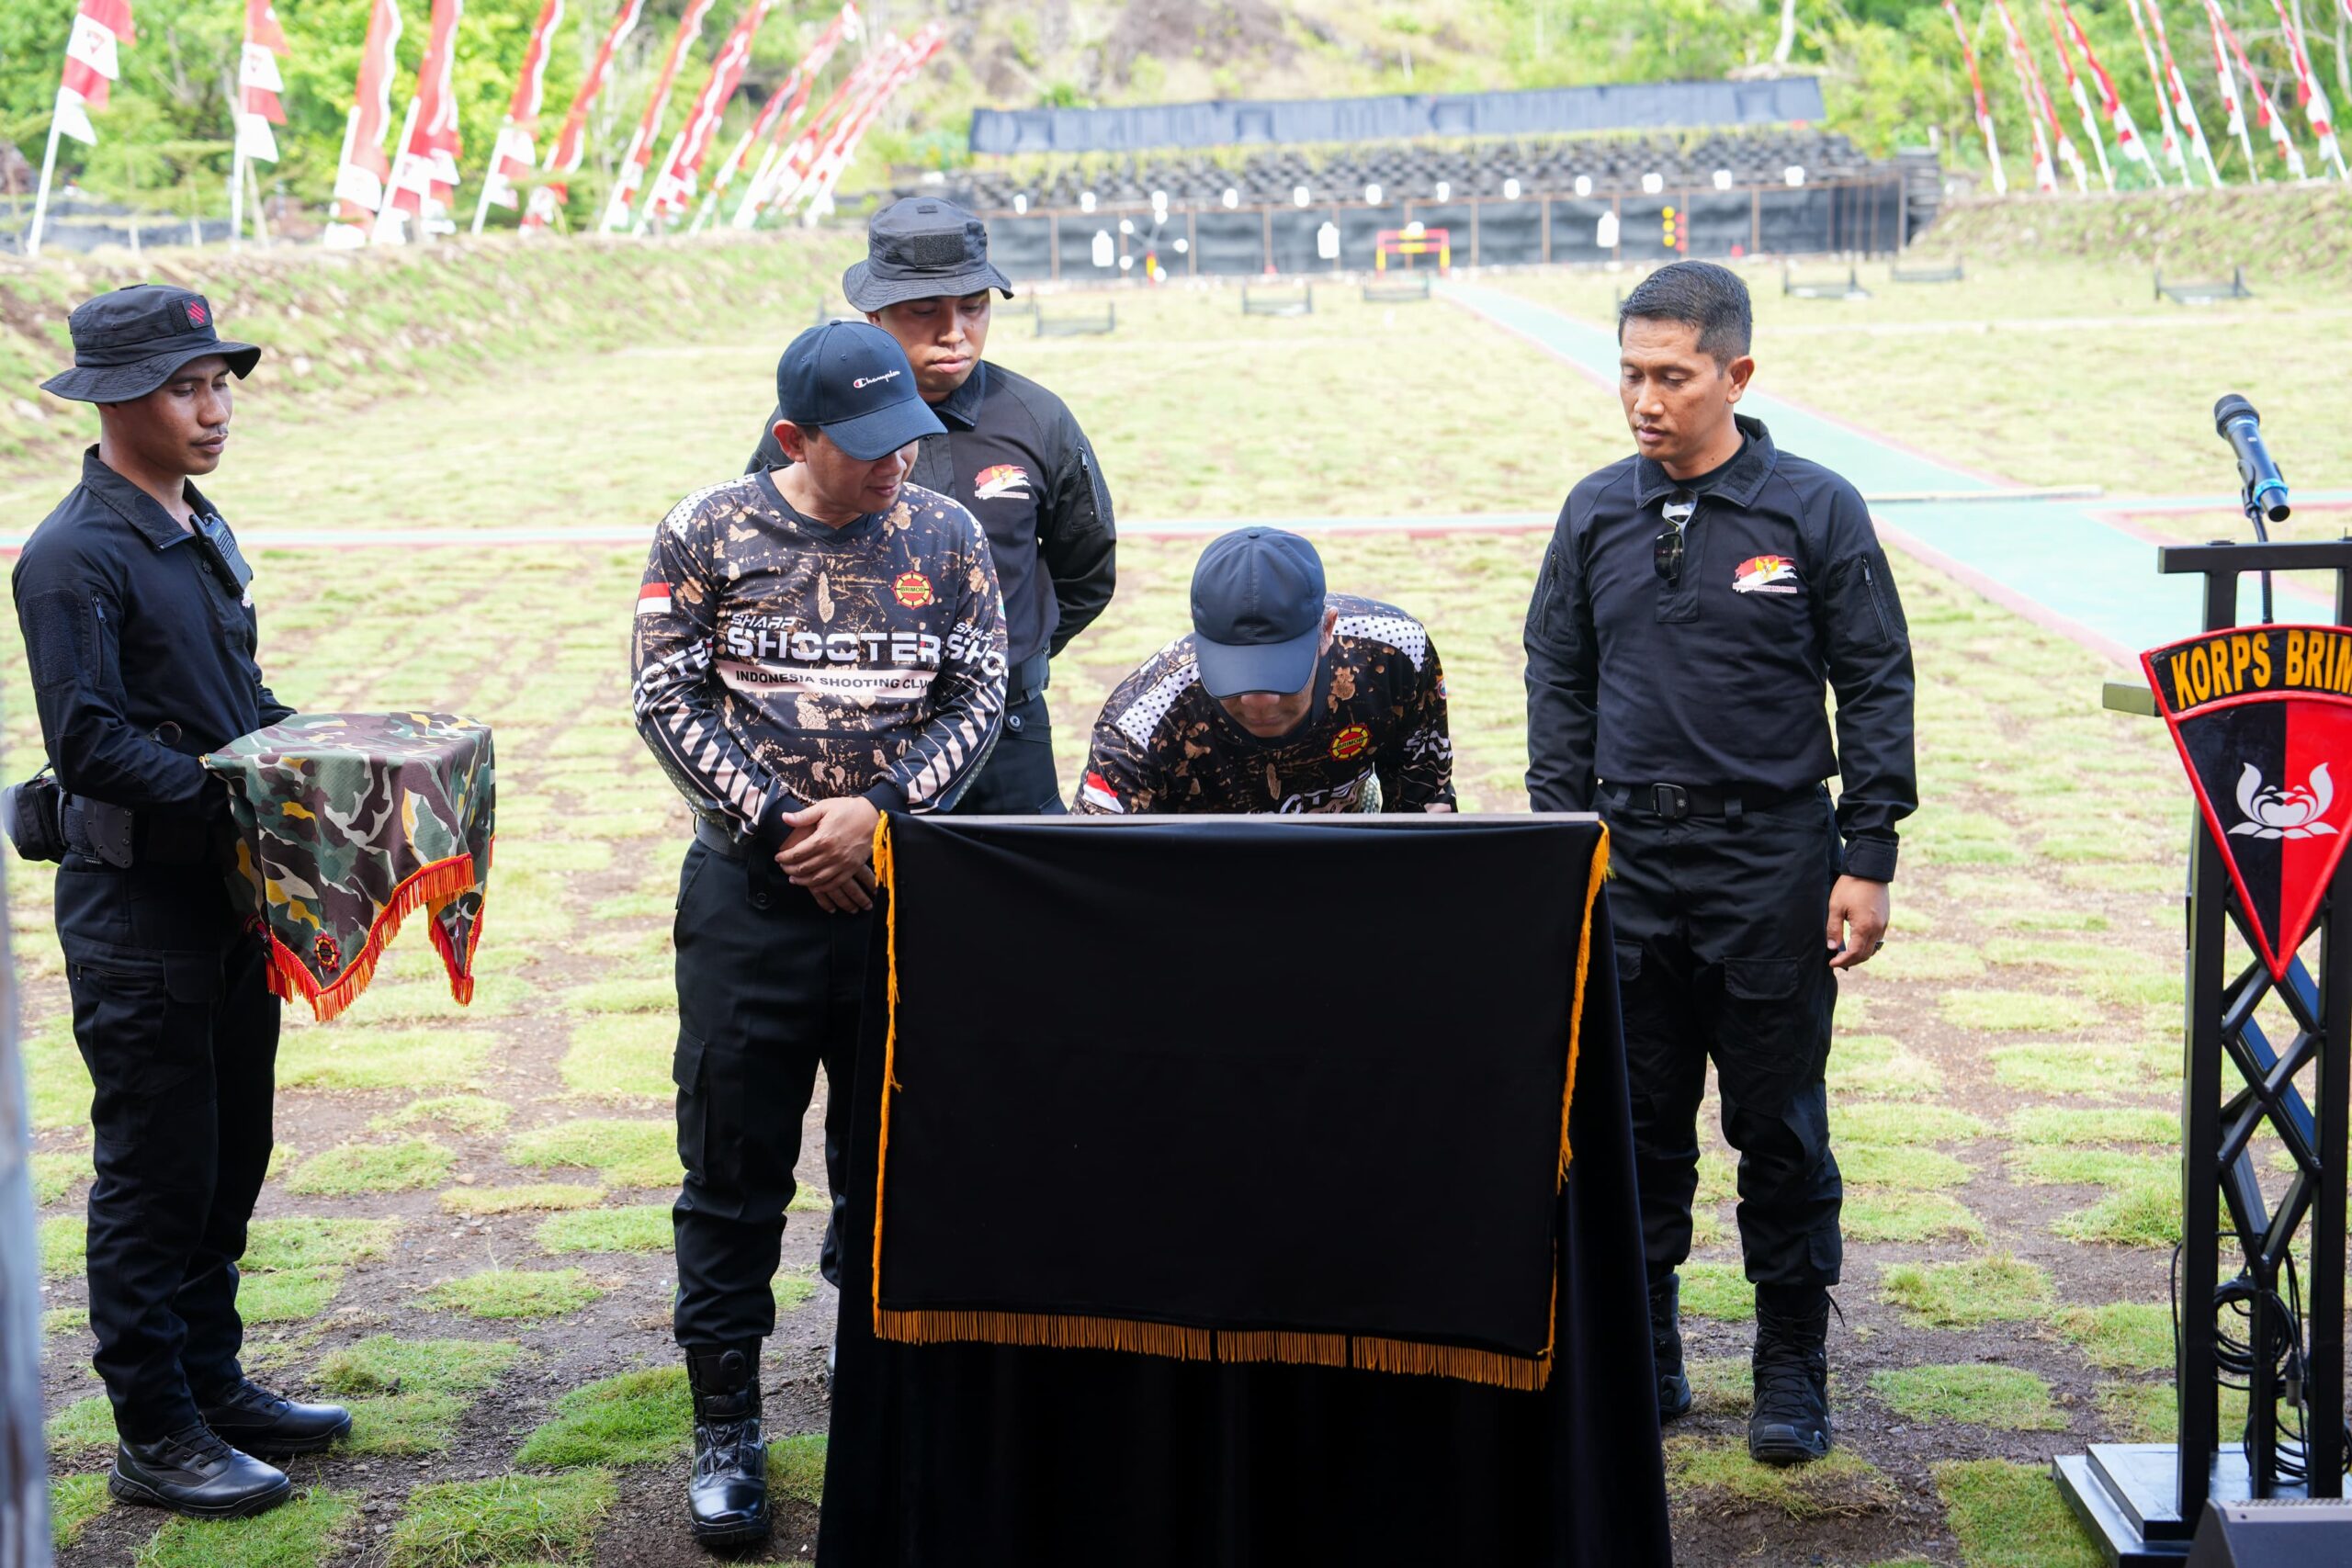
2237,424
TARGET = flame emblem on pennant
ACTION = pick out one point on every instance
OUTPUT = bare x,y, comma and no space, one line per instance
2273,813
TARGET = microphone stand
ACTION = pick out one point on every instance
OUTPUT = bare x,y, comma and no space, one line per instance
2262,535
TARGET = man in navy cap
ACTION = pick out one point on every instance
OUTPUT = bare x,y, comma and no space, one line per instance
1282,697
139,627
816,644
1009,450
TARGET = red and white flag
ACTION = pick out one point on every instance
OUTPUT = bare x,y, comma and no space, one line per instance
816,192
2082,99
2308,94
797,164
631,177
364,168
673,187
2175,111
782,111
2127,140
258,83
2037,103
571,143
425,175
2266,113
512,155
1983,109
781,164
100,27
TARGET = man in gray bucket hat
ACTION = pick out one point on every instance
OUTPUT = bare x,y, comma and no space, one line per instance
139,627
1011,453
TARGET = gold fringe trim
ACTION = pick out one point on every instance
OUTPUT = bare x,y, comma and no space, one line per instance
1305,1349
1576,1016
431,888
1527,1374
885,875
1051,1330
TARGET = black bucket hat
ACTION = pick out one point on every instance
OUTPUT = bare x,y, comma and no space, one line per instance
919,249
128,343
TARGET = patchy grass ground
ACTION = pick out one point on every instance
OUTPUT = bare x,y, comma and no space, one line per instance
464,1235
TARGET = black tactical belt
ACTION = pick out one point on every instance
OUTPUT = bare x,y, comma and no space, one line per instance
1027,678
122,837
1673,802
719,840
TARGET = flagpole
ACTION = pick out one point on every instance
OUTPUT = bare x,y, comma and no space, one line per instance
261,214
387,215
237,186
489,178
40,200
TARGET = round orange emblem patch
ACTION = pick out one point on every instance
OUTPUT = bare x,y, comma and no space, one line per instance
1350,742
914,589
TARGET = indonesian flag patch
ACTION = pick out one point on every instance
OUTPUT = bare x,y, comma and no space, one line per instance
1007,479
1765,574
654,599
1097,792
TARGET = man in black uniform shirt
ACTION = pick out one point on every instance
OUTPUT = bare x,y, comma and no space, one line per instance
140,631
1011,453
1694,602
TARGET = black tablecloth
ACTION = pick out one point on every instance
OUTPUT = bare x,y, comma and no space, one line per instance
968,1455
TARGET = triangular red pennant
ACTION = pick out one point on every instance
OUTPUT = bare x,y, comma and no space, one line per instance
2263,719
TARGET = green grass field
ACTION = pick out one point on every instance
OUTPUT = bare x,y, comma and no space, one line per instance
464,1235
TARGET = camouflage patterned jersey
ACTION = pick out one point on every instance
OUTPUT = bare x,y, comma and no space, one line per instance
1164,744
347,821
779,661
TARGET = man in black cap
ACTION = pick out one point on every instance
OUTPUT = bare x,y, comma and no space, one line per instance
816,644
1009,450
140,631
1699,600
1284,697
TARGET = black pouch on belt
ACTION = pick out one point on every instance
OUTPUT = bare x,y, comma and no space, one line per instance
33,813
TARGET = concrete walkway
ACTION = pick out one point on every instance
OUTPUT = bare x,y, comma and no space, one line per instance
2072,565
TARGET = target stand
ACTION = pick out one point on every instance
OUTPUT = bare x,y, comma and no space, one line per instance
2258,712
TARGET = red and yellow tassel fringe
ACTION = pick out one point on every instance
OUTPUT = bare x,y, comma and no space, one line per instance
430,887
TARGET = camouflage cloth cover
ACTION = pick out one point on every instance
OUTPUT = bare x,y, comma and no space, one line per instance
347,821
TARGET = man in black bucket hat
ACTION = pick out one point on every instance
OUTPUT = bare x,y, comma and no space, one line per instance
139,629
1011,453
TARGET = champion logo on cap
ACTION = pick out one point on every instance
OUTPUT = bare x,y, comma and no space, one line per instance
875,380
197,314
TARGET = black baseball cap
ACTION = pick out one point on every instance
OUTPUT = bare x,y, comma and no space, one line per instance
128,343
921,248
851,380
1257,612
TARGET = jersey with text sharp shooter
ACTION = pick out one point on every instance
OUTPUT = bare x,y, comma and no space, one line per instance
778,661
1163,744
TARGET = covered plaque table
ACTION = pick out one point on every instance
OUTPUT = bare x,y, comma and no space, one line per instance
347,822
1242,1190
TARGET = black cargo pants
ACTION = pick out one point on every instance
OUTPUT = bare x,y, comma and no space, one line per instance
175,1021
1721,955
1018,778
769,986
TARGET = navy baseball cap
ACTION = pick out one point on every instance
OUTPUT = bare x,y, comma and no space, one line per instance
1257,612
851,380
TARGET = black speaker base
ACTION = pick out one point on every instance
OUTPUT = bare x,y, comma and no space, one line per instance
2128,1496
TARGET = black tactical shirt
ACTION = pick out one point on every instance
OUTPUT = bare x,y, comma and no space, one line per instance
132,625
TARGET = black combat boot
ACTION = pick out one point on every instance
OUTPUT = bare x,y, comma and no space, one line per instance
1791,1366
192,1471
256,1421
729,1493
1665,1348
